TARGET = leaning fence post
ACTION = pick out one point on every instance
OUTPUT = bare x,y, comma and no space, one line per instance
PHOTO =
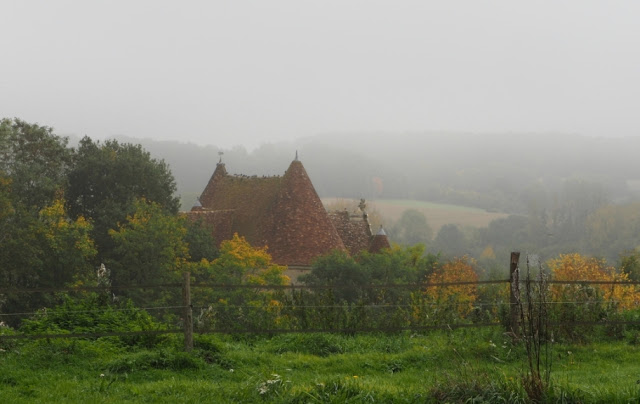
513,293
187,311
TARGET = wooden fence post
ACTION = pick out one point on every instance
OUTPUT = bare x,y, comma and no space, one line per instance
187,311
514,289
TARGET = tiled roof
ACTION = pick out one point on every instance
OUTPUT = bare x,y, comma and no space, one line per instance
219,220
379,242
251,199
284,213
299,228
354,230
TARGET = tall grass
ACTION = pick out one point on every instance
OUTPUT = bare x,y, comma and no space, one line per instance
453,366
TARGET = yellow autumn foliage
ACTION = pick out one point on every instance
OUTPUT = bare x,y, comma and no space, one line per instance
238,263
575,267
239,251
488,252
59,230
459,297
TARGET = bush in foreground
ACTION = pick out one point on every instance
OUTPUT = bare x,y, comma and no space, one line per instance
94,314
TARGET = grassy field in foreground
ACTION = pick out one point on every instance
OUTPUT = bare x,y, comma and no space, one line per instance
303,368
437,214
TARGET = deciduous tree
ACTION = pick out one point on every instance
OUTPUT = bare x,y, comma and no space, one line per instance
451,241
456,299
68,247
36,160
239,264
412,228
44,250
149,246
575,267
108,178
630,264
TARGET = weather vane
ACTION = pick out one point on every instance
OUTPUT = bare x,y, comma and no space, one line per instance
220,154
362,205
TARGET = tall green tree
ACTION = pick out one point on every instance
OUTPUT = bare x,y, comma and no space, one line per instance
451,241
149,248
510,232
629,263
577,200
47,250
412,228
201,243
613,229
39,245
36,160
6,205
67,245
340,270
351,276
398,264
106,180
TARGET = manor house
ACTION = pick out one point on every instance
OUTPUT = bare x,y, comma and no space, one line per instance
283,213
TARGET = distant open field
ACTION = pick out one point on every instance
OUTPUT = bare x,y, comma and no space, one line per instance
437,214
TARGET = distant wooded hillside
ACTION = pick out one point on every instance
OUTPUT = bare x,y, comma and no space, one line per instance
558,189
502,173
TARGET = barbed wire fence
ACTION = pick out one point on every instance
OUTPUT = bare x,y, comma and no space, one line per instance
302,299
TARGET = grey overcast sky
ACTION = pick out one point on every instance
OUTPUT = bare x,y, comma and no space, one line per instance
251,72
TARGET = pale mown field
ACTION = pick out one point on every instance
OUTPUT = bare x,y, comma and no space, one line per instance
390,210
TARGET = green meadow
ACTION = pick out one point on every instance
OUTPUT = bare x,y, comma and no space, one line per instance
465,365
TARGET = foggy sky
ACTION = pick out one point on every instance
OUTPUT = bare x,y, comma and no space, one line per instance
250,72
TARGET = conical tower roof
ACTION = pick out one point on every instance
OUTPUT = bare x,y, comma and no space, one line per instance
379,242
212,189
300,227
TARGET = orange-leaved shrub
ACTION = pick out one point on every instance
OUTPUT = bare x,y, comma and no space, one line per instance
575,267
577,307
453,300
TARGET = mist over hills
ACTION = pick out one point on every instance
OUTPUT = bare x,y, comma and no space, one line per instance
550,193
498,172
